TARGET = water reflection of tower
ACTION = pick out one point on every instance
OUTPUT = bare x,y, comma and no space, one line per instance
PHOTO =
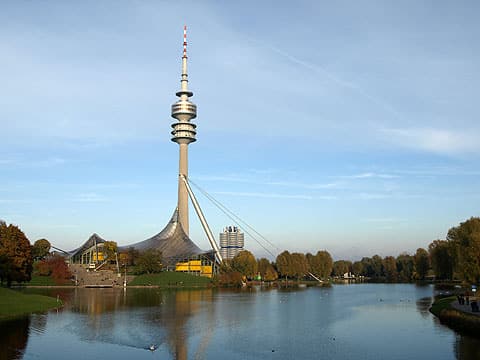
183,134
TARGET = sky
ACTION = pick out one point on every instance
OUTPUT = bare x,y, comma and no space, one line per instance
347,126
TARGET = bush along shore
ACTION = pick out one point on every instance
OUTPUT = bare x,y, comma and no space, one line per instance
458,320
15,304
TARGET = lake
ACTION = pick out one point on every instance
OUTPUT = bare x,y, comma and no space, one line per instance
360,321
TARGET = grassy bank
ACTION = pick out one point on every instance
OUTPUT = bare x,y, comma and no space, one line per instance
441,304
170,279
14,303
455,319
43,281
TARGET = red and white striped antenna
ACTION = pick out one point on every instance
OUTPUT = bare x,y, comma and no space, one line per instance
185,41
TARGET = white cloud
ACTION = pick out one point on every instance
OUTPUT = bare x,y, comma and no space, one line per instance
90,197
441,141
372,196
240,179
264,195
370,175
384,220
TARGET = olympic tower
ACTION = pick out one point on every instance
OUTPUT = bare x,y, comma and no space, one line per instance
183,134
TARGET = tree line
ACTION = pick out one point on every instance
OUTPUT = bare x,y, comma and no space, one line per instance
455,258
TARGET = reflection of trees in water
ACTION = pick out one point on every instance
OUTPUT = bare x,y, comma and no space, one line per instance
95,301
13,338
467,348
423,306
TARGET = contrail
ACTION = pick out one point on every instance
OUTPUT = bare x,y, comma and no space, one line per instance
320,70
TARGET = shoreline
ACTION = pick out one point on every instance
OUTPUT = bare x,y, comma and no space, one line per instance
457,317
14,304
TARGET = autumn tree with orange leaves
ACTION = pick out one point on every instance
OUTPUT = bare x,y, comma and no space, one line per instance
15,255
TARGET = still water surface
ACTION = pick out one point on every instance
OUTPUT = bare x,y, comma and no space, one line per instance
362,321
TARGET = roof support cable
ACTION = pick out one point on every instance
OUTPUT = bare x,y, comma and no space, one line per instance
235,218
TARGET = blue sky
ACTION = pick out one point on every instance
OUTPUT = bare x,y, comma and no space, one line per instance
348,126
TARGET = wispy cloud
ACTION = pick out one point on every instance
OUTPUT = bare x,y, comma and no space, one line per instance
90,197
434,140
264,195
14,201
38,163
6,161
384,220
293,184
303,185
369,175
372,196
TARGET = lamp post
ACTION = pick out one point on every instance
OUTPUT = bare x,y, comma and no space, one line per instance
125,280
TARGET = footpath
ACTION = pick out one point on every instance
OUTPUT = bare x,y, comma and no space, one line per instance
465,308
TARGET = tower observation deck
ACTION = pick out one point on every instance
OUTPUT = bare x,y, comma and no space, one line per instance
183,134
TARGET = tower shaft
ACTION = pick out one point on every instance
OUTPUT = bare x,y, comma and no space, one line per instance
182,191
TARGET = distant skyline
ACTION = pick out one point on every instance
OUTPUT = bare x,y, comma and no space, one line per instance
347,126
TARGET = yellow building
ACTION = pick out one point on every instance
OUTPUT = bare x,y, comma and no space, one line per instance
196,267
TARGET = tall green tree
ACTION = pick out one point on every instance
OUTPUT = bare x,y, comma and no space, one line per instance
109,250
15,255
321,264
357,268
466,244
266,270
149,262
377,266
390,268
367,265
442,256
405,267
40,249
284,264
245,263
299,265
422,263
341,267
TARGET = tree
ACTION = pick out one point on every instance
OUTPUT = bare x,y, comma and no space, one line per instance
357,268
321,264
54,266
284,264
377,267
40,249
422,263
149,261
15,255
465,240
390,268
341,267
245,263
299,265
266,270
405,267
109,250
229,277
367,265
442,257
